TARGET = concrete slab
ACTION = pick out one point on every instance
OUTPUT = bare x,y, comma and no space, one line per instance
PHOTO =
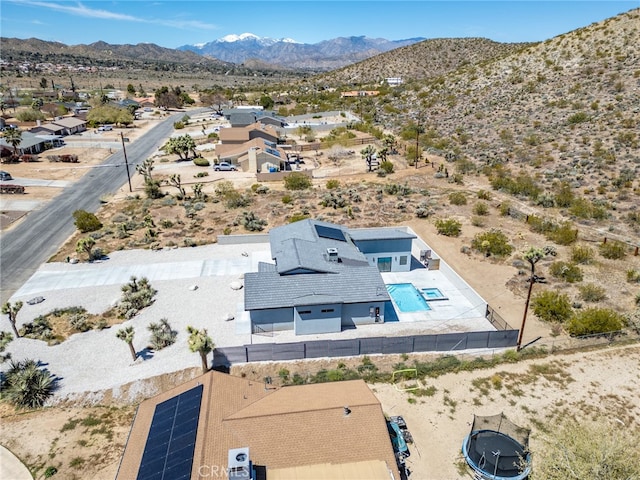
11,468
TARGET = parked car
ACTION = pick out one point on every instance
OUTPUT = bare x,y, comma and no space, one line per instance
4,176
224,167
105,128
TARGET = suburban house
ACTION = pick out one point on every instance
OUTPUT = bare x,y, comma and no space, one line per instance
239,135
61,126
360,93
325,277
257,155
30,144
221,426
242,117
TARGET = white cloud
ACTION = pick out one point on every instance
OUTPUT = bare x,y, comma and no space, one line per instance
81,11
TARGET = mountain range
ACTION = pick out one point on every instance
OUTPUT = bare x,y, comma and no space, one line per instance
285,52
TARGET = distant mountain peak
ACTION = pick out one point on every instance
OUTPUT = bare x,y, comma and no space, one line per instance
238,38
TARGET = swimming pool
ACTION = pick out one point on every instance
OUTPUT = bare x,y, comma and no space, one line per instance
432,293
407,298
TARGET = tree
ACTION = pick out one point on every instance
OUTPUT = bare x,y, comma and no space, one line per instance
85,245
126,334
200,342
598,449
182,146
131,90
533,255
12,312
266,101
37,104
175,181
151,186
26,385
13,136
43,83
367,154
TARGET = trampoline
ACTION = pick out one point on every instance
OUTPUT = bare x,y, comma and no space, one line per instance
497,449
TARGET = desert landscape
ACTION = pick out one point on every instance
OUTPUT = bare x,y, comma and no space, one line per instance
535,141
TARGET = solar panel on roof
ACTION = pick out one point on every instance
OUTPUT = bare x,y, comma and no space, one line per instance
330,232
273,152
270,144
171,442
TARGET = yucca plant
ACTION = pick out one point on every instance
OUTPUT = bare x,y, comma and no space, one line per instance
26,385
161,334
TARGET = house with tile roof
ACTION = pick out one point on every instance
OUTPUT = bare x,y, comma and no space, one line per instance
221,426
325,277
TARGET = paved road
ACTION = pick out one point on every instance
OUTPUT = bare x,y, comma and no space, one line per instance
36,238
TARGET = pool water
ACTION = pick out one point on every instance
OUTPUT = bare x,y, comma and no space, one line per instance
432,293
407,297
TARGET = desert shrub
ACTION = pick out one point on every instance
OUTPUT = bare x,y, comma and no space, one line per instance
505,209
457,198
297,181
583,208
613,250
397,189
333,184
633,276
484,195
334,200
178,125
236,199
568,272
563,234
287,199
448,227
423,210
136,295
578,117
592,293
481,208
26,385
552,306
493,242
522,184
582,254
201,162
39,329
201,174
595,320
86,221
477,221
161,334
261,189
251,222
80,322
30,115
386,166
296,217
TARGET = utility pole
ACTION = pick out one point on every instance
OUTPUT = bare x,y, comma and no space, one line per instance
126,162
524,317
533,256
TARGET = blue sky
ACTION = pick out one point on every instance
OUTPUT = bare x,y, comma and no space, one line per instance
175,23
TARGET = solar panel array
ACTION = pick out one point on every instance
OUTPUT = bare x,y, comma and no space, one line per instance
270,144
273,152
168,453
330,232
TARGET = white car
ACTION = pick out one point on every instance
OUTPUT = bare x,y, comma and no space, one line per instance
224,167
105,128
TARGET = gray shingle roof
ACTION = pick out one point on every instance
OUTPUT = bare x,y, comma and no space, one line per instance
304,274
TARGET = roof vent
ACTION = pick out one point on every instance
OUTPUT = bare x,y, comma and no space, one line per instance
239,464
347,411
332,253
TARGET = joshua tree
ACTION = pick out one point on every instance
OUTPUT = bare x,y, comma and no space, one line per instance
533,255
12,311
161,334
200,342
85,245
5,338
126,335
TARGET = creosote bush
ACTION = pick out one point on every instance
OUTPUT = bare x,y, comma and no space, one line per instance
86,221
457,198
448,227
297,181
582,254
494,242
552,306
481,208
595,320
568,272
613,250
592,293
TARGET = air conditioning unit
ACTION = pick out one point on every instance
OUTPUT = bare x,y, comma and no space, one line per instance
332,254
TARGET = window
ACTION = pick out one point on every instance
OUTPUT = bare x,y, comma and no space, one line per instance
327,310
403,260
304,312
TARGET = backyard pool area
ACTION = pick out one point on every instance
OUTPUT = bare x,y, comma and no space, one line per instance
407,297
